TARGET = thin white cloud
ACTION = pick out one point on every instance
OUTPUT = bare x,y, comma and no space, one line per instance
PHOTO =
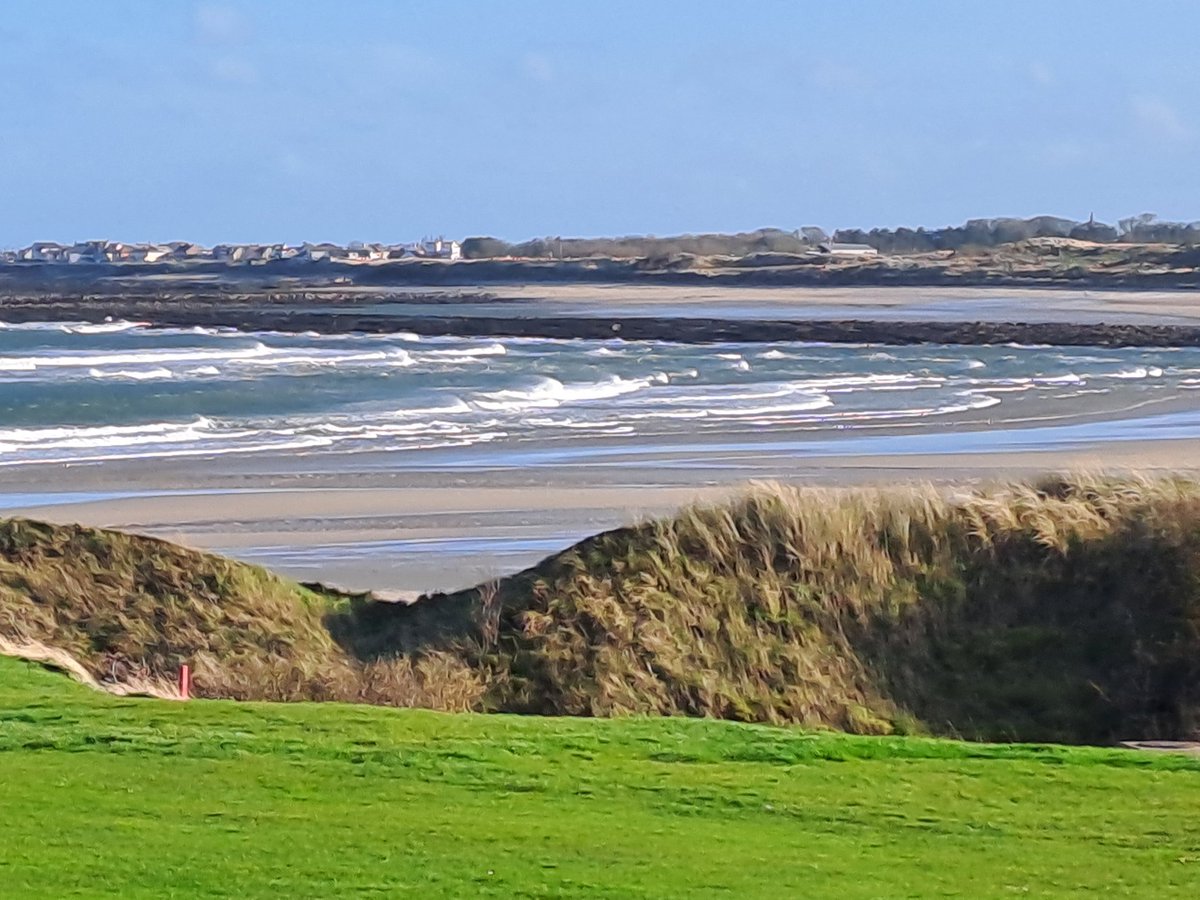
1158,118
219,24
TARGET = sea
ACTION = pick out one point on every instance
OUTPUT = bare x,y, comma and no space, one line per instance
77,393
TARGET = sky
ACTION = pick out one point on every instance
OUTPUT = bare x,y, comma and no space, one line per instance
389,121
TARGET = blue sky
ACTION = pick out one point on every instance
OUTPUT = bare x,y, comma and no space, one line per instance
291,121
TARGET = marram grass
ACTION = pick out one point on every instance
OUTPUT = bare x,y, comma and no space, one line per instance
1066,610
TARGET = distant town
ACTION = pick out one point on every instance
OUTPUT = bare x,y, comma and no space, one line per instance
1038,236
99,252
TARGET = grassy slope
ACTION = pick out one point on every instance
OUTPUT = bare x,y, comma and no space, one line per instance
150,798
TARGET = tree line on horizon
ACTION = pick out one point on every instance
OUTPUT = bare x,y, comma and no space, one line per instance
975,233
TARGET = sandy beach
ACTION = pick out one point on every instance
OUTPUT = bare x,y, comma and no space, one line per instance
939,304
407,533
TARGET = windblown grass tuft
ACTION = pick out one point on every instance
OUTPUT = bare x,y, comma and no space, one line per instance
1066,610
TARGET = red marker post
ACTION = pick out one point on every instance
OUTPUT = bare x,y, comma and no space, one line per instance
185,682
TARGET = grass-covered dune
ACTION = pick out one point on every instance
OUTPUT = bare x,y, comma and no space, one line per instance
135,608
1067,611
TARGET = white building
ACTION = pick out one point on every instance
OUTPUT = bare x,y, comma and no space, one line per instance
439,248
834,248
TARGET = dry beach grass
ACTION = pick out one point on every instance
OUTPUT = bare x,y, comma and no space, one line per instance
1063,610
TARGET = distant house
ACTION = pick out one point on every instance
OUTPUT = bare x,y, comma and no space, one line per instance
357,251
834,248
87,252
317,252
438,248
138,252
115,251
250,252
44,251
183,250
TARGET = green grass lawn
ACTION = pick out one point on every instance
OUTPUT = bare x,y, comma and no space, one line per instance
127,797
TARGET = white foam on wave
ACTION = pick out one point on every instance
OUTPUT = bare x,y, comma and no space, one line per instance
842,382
550,392
975,400
820,401
459,405
1068,378
104,327
392,357
462,353
1137,372
158,373
296,444
710,395
344,432
143,357
16,439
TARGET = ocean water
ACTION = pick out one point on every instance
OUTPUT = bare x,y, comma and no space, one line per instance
120,390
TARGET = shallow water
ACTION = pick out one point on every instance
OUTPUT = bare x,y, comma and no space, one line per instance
72,393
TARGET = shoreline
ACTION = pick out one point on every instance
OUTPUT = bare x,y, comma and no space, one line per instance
656,312
407,533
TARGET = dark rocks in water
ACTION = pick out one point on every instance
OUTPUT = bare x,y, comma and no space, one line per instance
279,316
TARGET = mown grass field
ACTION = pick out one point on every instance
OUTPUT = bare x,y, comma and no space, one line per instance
133,797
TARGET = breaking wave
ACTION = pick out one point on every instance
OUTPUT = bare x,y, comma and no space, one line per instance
118,390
